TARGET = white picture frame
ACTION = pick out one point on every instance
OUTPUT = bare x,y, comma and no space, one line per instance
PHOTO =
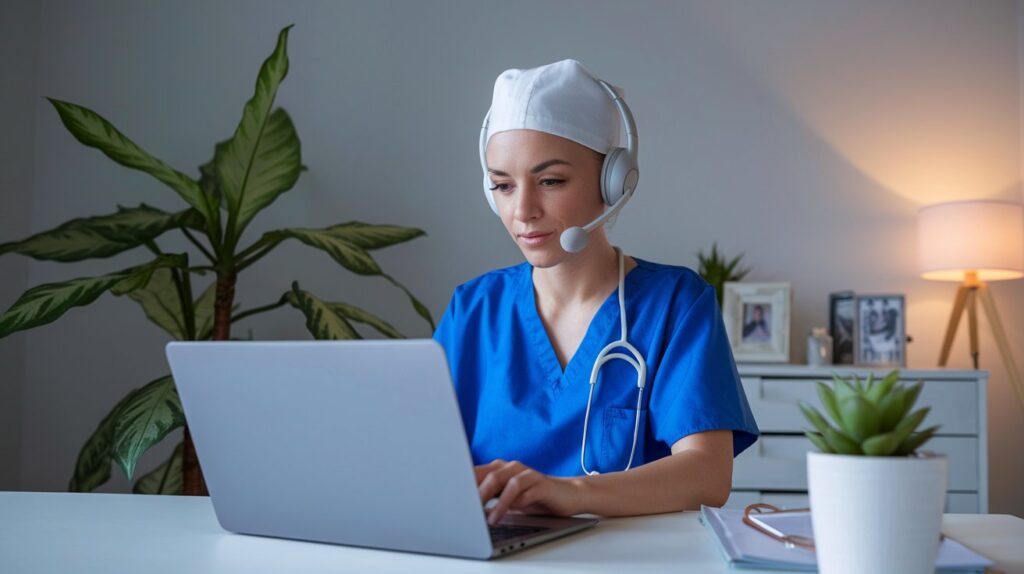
757,320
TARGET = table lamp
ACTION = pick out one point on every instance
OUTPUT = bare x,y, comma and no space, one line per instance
973,242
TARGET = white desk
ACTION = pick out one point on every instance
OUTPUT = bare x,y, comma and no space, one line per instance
111,533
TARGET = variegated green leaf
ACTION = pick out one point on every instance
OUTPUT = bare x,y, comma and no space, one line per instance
161,303
272,170
353,313
92,468
321,320
347,254
262,158
145,420
44,304
94,131
138,277
99,236
421,309
369,236
70,241
164,479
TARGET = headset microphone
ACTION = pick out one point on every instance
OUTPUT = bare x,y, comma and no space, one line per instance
575,239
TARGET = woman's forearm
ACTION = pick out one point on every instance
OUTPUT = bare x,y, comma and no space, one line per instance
682,481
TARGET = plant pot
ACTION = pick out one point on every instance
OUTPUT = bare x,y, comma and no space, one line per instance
876,513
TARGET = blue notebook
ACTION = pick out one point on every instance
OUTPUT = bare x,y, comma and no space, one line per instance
744,547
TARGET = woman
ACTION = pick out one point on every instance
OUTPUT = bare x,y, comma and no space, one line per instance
522,342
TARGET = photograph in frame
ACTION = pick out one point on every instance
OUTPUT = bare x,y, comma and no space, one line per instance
757,320
880,328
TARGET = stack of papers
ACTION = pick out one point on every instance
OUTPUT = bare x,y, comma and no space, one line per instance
745,547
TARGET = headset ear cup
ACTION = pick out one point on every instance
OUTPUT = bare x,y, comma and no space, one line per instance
612,176
489,195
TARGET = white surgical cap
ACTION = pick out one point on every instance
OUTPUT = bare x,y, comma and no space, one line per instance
562,98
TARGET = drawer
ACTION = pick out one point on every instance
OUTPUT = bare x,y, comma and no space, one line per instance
780,463
954,404
962,503
956,502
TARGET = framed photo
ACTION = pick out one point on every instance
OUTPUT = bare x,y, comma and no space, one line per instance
756,317
840,326
880,328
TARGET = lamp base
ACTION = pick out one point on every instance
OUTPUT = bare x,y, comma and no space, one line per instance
966,299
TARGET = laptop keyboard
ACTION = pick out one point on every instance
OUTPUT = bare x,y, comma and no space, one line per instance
503,532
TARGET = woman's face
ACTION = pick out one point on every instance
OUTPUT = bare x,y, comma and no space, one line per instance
545,184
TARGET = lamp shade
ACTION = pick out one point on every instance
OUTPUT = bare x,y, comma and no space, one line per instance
983,236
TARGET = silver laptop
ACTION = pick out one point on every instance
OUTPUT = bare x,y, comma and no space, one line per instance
348,442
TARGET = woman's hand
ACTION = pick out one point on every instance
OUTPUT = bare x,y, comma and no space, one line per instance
519,487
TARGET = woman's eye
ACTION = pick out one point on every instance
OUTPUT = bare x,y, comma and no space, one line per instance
555,181
499,187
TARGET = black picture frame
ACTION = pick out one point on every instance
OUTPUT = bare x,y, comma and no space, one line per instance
842,326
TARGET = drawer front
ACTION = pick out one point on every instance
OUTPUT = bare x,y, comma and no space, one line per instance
962,503
780,463
956,502
954,404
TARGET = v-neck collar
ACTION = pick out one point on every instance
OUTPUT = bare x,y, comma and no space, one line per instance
606,317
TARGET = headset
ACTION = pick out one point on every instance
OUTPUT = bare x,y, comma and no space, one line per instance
619,175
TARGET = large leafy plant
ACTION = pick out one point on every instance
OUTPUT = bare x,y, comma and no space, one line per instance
868,417
248,172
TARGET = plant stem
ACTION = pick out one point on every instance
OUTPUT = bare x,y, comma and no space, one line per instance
257,252
199,245
225,298
193,482
189,309
256,310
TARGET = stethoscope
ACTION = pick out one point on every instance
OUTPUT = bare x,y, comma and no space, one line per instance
637,360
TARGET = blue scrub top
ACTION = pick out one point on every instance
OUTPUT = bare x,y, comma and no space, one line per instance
518,404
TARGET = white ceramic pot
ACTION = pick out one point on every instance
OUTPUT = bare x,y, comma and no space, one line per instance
876,514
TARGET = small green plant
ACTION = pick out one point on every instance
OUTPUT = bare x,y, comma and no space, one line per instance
870,417
716,270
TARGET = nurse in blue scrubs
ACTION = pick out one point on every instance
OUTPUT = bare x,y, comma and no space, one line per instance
589,381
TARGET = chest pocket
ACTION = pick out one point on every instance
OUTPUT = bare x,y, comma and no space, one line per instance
617,438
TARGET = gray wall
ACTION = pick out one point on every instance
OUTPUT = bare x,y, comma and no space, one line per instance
805,135
18,39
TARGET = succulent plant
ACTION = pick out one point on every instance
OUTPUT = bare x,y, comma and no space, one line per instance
716,269
870,417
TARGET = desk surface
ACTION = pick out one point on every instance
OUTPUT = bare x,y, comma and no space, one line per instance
85,533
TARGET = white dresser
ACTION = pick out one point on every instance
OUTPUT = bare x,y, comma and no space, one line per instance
774,469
